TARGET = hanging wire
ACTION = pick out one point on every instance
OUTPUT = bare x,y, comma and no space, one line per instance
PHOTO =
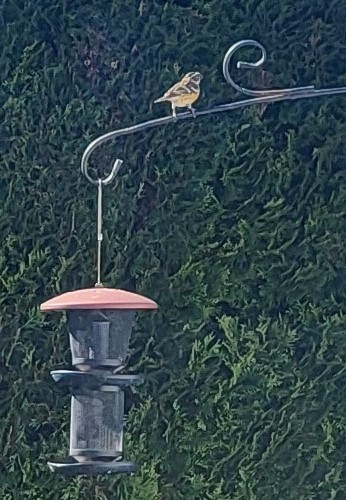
99,232
100,183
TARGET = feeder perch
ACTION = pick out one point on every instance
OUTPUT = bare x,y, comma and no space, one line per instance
100,322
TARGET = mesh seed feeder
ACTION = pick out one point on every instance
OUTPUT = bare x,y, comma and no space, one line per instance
99,322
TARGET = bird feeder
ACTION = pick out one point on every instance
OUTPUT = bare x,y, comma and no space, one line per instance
99,322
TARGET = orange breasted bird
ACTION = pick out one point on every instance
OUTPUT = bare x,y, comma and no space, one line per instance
184,93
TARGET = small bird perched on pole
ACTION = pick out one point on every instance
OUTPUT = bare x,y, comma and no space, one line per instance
184,93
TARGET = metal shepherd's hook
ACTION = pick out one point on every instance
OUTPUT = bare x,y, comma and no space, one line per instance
257,97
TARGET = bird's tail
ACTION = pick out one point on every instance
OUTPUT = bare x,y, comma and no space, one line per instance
161,99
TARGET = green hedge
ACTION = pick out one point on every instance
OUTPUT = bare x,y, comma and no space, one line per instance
234,224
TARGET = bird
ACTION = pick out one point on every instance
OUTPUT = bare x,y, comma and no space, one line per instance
184,93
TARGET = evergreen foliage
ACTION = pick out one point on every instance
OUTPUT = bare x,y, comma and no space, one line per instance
234,224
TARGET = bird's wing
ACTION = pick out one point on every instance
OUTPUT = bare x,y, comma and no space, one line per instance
180,88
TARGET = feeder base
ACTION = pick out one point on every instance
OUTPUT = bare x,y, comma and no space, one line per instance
95,379
92,468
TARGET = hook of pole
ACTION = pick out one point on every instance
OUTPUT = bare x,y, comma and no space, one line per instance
107,180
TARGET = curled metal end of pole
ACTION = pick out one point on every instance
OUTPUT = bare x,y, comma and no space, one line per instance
247,65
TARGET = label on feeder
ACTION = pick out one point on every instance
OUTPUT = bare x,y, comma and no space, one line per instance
100,339
78,347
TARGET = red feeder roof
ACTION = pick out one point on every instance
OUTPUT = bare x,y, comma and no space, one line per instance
98,298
